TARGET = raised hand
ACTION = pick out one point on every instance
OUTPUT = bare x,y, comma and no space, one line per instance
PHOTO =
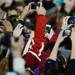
41,10
64,24
18,30
7,26
27,9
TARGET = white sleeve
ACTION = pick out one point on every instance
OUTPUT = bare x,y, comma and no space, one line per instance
19,65
27,46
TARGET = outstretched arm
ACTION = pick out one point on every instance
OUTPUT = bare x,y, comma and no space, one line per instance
27,9
51,62
60,38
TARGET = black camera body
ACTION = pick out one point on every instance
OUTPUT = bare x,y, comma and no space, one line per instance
71,20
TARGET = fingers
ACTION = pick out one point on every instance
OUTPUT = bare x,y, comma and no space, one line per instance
18,30
30,3
19,26
65,24
69,25
32,10
38,7
40,4
41,11
66,18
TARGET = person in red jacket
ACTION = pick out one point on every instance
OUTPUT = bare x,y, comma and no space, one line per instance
33,55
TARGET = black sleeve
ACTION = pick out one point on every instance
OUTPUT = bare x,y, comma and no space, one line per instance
72,67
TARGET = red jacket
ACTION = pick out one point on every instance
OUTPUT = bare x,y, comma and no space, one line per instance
36,56
32,57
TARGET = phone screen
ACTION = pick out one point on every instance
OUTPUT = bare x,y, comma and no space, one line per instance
48,28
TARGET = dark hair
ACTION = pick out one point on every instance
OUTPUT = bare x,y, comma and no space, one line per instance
5,40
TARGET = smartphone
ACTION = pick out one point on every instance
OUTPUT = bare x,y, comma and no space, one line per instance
48,28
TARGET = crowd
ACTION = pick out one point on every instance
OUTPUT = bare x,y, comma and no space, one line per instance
37,37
